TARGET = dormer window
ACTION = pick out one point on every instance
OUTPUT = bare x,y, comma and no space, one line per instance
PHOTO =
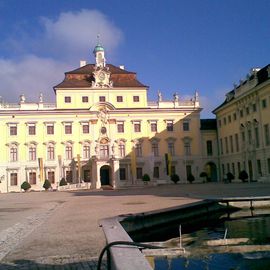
67,99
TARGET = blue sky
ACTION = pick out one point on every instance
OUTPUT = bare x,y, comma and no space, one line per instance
174,46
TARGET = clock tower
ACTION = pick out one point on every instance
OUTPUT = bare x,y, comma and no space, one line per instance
100,56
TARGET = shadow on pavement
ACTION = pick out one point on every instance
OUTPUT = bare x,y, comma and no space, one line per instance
32,265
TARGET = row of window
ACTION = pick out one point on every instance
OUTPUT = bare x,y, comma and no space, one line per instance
85,99
235,168
247,136
103,150
242,112
13,129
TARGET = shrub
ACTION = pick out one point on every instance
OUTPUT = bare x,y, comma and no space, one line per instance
63,182
243,175
230,176
25,186
47,184
146,178
190,178
203,174
175,178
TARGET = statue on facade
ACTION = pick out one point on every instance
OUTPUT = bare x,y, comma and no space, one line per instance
175,98
22,98
159,96
40,98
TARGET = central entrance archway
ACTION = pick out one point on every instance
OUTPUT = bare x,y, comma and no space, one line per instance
211,170
105,175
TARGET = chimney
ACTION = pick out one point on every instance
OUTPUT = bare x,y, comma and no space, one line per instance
122,67
82,63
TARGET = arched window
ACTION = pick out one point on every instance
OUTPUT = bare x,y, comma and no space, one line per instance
122,149
86,150
13,152
50,151
32,152
69,151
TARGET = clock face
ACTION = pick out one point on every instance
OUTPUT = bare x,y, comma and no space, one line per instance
101,76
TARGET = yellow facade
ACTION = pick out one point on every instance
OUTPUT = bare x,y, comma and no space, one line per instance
243,127
102,131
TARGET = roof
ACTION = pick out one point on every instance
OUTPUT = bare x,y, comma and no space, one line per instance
262,76
83,77
208,124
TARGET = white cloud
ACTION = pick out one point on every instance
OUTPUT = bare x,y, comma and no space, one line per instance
65,40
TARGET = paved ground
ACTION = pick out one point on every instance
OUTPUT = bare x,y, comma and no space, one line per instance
59,230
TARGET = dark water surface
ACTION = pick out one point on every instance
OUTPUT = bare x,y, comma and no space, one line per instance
254,226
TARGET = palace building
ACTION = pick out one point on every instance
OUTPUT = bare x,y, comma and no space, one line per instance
243,125
103,131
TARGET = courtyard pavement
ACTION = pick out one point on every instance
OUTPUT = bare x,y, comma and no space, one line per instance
60,230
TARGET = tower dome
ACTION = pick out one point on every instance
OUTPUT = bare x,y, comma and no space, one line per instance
98,48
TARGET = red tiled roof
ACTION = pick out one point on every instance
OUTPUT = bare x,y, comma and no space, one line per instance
83,77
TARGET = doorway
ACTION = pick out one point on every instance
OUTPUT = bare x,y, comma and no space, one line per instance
105,175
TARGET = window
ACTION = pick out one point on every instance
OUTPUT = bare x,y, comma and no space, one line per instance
122,172
247,110
266,134
68,129
188,170
85,128
102,99
173,170
86,151
209,148
231,143
243,136
50,129
69,154
14,153
32,153
238,167
13,130
223,168
186,126
32,130
229,119
228,167
69,176
241,113
259,167
138,149
264,103
153,126
171,148
257,138
51,177
155,149
104,151
156,172
137,127
221,146
13,179
236,142
84,99
219,123
67,99
50,152
139,173
249,136
224,120
120,127
187,148
119,99
226,145
268,165
136,99
234,116
254,107
233,169
122,149
169,125
32,178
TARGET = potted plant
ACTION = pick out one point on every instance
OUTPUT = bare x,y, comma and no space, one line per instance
190,178
230,177
146,178
25,186
243,175
47,184
204,176
175,178
63,182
